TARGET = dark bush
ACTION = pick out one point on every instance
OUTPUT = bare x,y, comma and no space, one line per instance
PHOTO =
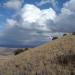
54,38
64,34
73,33
25,49
18,51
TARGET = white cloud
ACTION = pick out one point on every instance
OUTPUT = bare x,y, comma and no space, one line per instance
32,14
42,2
14,4
11,22
70,5
66,20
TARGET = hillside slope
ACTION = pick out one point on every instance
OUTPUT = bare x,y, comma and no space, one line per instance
54,58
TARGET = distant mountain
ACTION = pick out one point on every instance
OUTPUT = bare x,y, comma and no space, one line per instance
6,51
22,46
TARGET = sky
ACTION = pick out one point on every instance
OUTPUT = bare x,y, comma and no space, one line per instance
32,22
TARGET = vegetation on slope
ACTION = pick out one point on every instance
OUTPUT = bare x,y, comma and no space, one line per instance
18,51
54,58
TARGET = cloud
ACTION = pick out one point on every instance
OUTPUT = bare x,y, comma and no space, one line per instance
33,25
34,17
11,22
29,12
29,28
66,20
32,13
14,4
70,5
42,2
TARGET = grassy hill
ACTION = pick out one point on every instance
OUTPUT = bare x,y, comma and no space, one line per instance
54,58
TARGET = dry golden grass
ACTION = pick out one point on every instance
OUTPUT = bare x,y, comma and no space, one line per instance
53,58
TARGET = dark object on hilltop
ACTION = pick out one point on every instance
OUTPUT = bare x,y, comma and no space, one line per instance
73,33
18,51
54,38
64,34
25,49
